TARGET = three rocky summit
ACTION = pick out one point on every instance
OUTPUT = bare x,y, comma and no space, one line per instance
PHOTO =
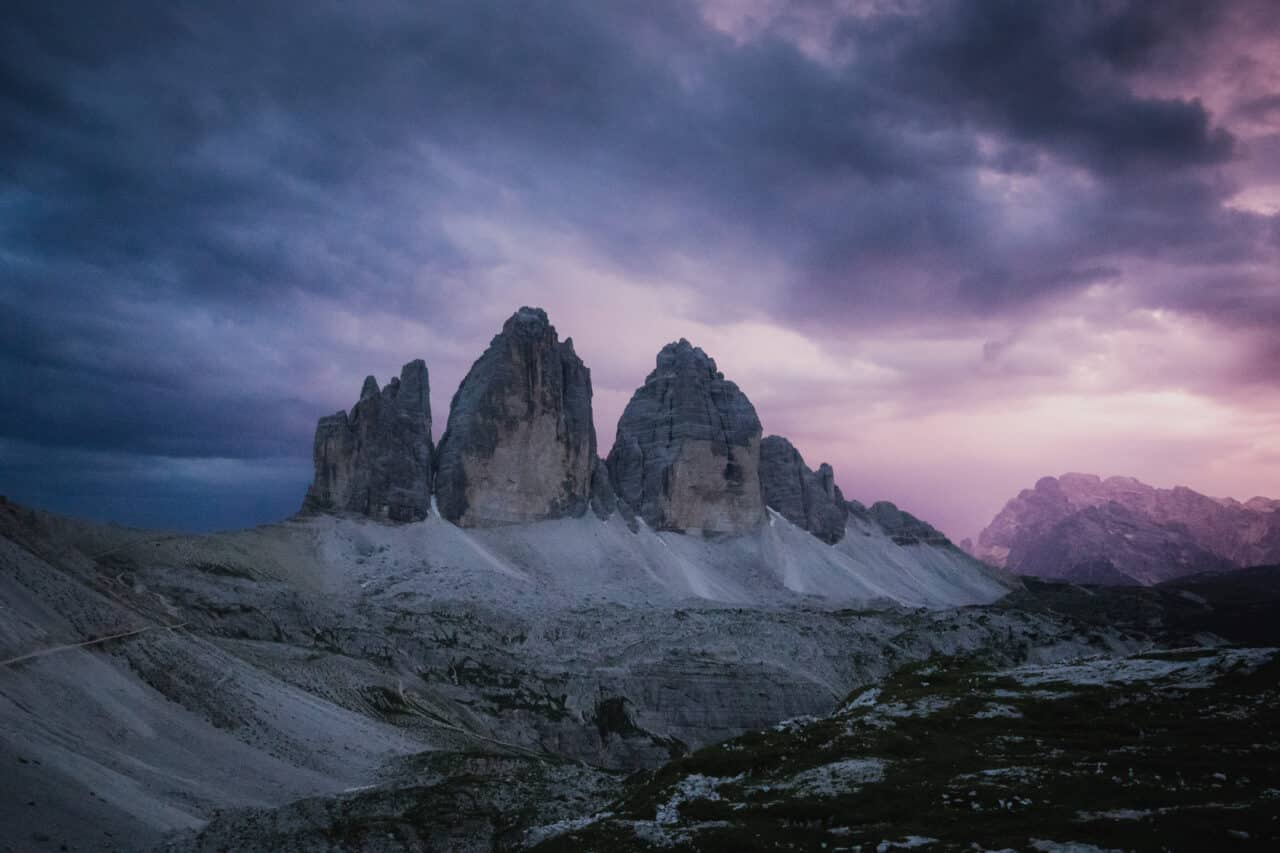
520,446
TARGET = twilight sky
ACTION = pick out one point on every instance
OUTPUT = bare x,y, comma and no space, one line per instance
948,247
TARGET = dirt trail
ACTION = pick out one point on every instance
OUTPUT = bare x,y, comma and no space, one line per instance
55,649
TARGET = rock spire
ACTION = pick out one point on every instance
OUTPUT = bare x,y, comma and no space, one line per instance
808,499
687,452
520,444
376,460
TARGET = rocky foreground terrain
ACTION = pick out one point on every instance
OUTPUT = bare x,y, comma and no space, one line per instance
1083,528
1167,750
507,642
339,684
150,681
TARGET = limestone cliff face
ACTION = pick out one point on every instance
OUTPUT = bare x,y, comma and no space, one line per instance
520,445
807,498
687,452
376,461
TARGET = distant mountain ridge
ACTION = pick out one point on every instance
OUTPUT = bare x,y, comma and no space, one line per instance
1083,528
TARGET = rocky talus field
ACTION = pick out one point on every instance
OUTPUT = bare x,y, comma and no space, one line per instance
697,642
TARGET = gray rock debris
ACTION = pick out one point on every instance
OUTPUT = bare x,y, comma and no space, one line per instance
376,461
687,451
808,499
520,444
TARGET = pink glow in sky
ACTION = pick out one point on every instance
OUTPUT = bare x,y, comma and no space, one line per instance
947,247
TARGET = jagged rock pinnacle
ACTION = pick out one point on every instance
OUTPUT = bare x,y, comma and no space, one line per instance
808,499
520,444
376,461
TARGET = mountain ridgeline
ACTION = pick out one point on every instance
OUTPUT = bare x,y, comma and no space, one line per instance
476,645
520,446
1082,528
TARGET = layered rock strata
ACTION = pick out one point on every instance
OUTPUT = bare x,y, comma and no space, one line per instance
808,499
687,452
520,444
377,459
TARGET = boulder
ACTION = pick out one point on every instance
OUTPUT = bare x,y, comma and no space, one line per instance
376,460
520,444
687,452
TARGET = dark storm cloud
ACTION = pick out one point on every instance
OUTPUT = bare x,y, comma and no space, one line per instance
168,141
179,181
139,490
1262,108
1049,87
1054,74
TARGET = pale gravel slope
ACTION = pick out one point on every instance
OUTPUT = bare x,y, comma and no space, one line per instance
308,656
569,562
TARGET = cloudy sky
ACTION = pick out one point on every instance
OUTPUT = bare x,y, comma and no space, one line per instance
947,246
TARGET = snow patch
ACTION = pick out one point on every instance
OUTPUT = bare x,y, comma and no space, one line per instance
865,699
538,834
926,707
1069,847
838,777
695,787
1116,814
1198,672
1019,774
907,843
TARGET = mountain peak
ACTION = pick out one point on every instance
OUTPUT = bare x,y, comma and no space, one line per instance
377,460
520,444
1065,526
683,356
687,451
528,321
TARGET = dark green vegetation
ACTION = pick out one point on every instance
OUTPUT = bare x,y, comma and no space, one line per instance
236,681
1177,748
1240,606
1174,747
1169,750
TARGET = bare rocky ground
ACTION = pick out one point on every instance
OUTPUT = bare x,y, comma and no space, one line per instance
1168,750
338,684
